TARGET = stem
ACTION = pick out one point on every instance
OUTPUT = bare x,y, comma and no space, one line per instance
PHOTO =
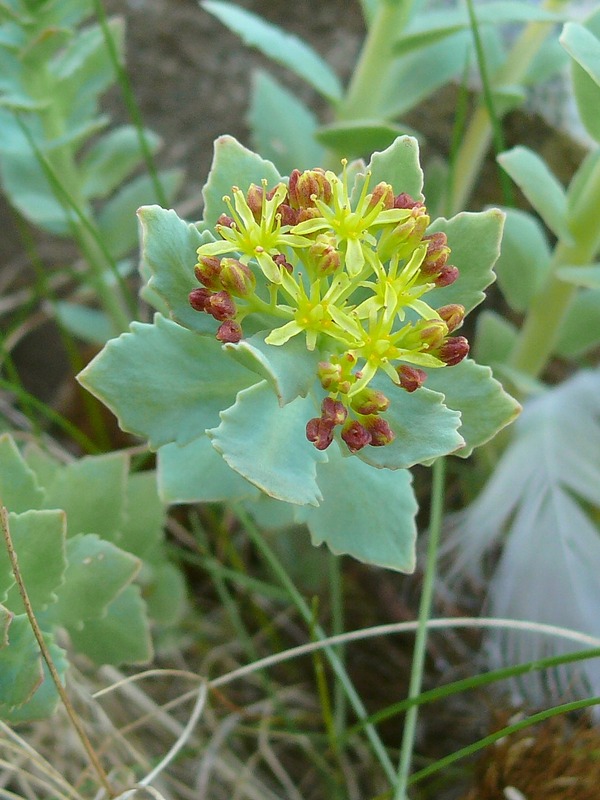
416,673
549,307
478,136
364,92
75,721
336,586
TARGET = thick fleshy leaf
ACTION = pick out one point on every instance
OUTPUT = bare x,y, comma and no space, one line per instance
398,165
283,128
291,369
165,382
425,428
19,488
233,165
495,338
169,252
366,513
142,529
582,42
587,276
581,329
91,325
20,665
285,48
484,406
475,242
99,511
116,221
540,187
524,258
122,636
270,514
196,473
5,620
42,463
267,444
361,137
96,572
44,700
166,594
39,541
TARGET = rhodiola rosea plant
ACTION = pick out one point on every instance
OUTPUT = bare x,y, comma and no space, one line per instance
304,351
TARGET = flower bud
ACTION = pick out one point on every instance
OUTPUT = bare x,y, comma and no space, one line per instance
324,256
229,332
198,299
453,315
355,435
448,274
221,306
281,261
370,401
384,194
254,198
320,432
436,255
410,378
432,332
289,216
333,411
225,221
208,270
404,200
453,350
380,431
237,278
305,186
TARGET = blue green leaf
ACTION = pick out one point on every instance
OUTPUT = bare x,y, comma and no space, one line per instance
19,488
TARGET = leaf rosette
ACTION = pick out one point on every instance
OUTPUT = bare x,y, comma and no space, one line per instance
297,326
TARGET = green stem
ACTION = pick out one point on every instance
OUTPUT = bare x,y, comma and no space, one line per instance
478,137
549,307
364,92
336,587
418,662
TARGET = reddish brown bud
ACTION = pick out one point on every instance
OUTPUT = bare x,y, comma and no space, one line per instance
380,431
324,256
355,435
207,271
448,274
432,332
333,411
198,299
237,278
436,255
221,306
370,401
383,193
411,378
254,198
305,187
453,315
225,221
404,200
229,332
319,432
280,260
289,215
453,350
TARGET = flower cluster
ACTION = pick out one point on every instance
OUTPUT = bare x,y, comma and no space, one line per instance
346,270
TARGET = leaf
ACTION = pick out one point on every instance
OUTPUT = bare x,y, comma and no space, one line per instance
361,137
122,636
398,165
582,43
270,514
91,492
587,276
116,221
548,571
267,444
485,408
196,473
20,666
366,513
164,382
45,698
233,165
540,187
142,530
112,158
284,48
580,330
290,369
425,428
169,252
97,572
166,595
283,128
39,541
524,258
6,617
475,243
19,488
495,338
91,325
